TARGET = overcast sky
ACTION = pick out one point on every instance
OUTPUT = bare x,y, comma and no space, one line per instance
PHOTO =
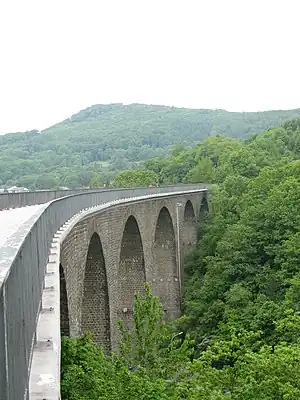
60,56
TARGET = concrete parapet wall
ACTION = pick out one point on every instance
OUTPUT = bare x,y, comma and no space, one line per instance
22,199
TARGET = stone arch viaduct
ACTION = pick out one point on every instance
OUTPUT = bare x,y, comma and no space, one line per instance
75,267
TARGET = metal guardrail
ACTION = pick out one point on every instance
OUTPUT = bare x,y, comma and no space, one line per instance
23,261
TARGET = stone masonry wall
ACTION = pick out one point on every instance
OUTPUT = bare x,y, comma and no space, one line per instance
139,243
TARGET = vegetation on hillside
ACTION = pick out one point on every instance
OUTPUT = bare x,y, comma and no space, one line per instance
90,147
241,318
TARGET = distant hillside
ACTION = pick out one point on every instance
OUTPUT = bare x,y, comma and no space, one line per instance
104,138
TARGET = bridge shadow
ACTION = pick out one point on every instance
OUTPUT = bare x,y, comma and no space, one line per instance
95,304
64,308
203,216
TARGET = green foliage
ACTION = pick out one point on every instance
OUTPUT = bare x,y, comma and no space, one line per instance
265,374
152,365
95,182
136,178
148,363
151,344
203,171
87,374
244,273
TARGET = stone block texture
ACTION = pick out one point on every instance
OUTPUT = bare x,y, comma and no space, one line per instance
109,255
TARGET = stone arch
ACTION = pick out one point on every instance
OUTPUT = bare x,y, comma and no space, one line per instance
64,307
131,271
165,281
189,228
95,303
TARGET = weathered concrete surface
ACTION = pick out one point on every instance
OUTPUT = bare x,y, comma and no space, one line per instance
23,199
11,220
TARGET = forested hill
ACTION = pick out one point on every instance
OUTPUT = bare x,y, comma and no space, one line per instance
103,139
144,124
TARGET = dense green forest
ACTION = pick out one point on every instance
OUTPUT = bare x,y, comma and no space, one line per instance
238,337
92,146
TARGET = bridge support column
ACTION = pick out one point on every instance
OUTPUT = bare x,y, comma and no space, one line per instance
166,283
131,272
